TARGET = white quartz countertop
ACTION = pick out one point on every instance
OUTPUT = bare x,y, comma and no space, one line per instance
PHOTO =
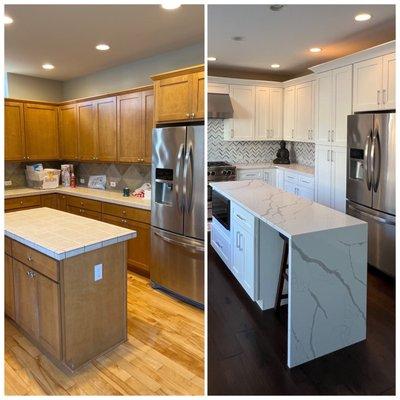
303,169
94,194
289,214
61,235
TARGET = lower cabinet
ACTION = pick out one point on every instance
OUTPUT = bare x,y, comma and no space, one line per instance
299,184
9,305
270,176
221,242
50,200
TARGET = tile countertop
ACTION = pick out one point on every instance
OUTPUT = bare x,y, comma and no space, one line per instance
94,194
292,167
61,235
287,213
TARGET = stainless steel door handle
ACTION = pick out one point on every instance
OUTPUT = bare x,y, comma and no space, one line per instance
378,97
374,217
367,161
375,173
178,188
188,179
197,249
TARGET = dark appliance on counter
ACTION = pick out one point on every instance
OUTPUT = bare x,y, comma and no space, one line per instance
371,183
221,210
218,171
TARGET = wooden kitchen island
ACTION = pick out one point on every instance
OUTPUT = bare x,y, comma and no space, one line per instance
65,283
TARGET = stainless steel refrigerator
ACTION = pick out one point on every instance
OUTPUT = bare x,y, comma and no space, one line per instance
177,212
371,183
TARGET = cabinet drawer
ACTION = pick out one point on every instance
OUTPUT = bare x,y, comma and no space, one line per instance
84,212
249,174
135,214
36,260
291,178
221,243
7,245
22,202
306,181
87,204
242,217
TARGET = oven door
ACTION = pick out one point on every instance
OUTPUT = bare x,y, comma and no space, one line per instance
221,209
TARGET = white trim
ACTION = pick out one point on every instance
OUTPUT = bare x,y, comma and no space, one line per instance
298,81
247,82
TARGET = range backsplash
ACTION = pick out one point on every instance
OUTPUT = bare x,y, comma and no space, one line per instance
130,175
253,152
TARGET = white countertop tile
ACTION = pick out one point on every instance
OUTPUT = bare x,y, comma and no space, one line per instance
303,169
59,234
287,213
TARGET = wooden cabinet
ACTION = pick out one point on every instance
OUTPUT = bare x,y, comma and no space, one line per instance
68,131
106,129
84,207
41,131
147,124
87,139
374,84
179,95
50,200
9,305
22,203
62,202
14,133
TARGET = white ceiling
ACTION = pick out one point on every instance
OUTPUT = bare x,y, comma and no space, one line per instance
66,35
284,37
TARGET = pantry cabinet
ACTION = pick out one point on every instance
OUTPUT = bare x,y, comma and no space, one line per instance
41,132
374,84
14,132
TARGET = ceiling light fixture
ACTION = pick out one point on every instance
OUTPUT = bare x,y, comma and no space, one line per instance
48,66
103,47
362,17
170,5
315,49
8,20
275,66
211,58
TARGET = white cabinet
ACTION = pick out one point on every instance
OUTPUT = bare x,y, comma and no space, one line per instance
280,179
270,176
288,112
299,184
249,174
221,242
374,84
219,88
330,170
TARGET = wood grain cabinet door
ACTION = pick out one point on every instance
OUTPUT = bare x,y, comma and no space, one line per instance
9,287
129,107
174,98
26,305
62,202
14,134
87,140
41,132
68,130
147,123
106,129
198,95
51,201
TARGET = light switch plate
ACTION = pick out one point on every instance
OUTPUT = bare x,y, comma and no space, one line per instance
98,272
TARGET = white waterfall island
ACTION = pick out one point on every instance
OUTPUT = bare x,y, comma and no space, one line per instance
327,266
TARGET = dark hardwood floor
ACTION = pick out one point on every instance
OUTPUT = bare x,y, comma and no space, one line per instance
247,347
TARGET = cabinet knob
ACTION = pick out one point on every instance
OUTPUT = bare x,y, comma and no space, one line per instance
30,258
27,158
187,114
192,115
21,202
123,212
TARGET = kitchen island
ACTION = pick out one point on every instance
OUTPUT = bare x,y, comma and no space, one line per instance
65,283
327,265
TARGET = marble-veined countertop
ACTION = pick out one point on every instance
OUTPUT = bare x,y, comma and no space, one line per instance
303,169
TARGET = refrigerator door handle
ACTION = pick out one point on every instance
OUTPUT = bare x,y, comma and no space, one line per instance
374,217
367,161
193,248
188,178
376,150
179,188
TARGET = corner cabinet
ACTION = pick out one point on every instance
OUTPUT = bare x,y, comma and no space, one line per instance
179,95
68,130
14,132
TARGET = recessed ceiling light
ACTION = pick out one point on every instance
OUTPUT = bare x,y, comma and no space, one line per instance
276,7
275,66
315,49
103,47
211,58
362,17
238,38
170,5
48,66
8,20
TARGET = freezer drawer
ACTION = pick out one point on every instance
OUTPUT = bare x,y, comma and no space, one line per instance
177,265
381,236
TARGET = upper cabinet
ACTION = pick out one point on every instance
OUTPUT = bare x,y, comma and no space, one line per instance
179,95
374,84
14,133
41,131
87,140
68,131
105,128
147,124
288,112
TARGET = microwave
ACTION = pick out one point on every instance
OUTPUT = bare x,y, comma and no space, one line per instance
221,210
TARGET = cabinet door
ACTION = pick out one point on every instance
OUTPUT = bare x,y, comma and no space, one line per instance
198,95
276,110
62,202
174,98
262,114
288,113
270,176
50,200
14,134
367,84
130,127
26,306
304,105
243,103
48,299
290,187
106,129
324,100
9,305
342,104
338,178
147,123
238,261
307,193
246,247
41,132
389,81
68,128
87,139
280,179
323,175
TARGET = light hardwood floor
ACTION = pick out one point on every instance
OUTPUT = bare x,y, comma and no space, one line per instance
164,354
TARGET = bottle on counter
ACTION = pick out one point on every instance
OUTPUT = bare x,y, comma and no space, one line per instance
73,177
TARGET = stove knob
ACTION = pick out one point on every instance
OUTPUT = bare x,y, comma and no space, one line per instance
208,173
212,173
223,172
229,172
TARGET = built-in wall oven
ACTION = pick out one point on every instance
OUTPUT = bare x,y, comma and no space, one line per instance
221,210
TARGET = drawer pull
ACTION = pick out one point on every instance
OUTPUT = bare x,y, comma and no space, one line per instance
240,217
21,202
219,245
30,274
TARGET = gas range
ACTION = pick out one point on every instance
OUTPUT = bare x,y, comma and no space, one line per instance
220,171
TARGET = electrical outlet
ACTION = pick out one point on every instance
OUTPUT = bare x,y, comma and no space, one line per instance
113,184
81,180
7,183
98,272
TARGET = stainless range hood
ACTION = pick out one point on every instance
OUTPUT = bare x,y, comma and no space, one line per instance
219,106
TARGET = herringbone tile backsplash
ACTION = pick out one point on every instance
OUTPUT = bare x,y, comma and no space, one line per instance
253,152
